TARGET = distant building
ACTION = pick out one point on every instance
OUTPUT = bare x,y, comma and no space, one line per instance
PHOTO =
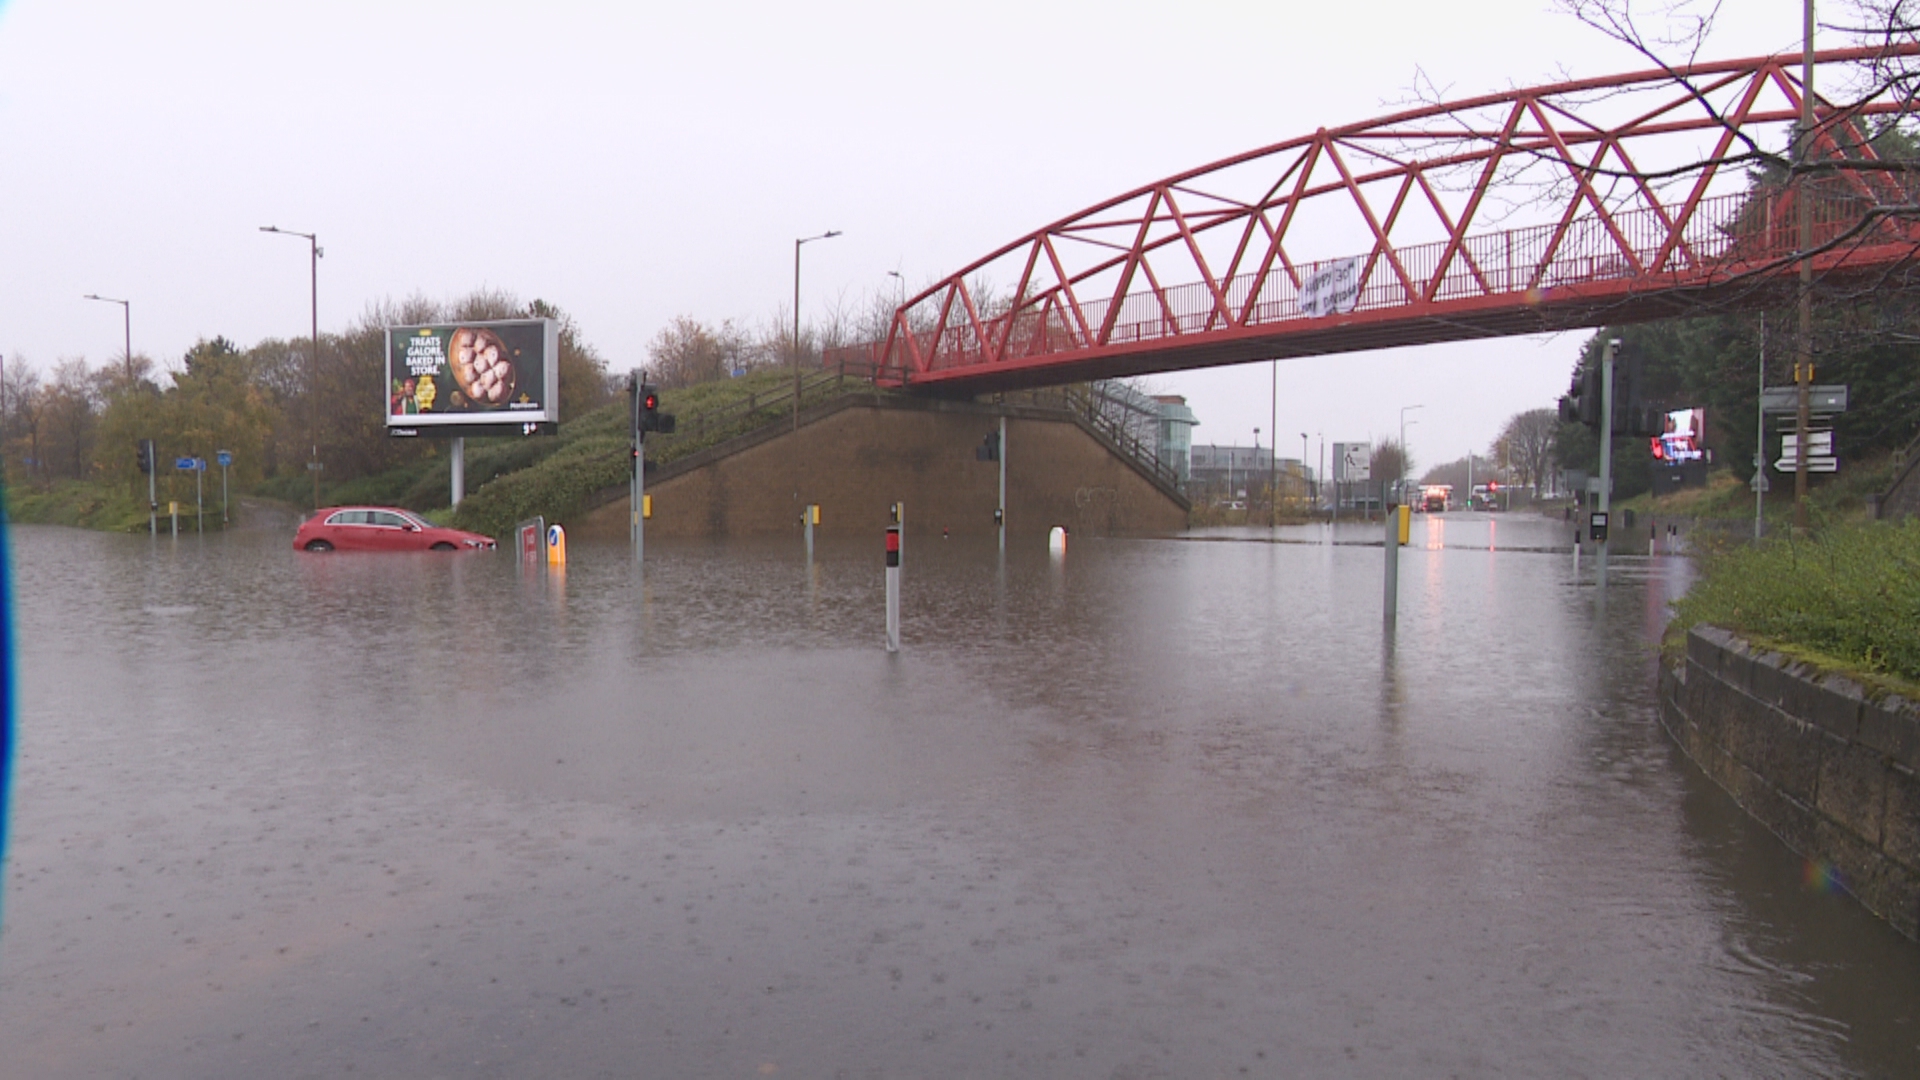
1229,467
1173,435
1233,473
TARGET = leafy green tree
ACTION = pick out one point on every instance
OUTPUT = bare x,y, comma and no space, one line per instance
213,404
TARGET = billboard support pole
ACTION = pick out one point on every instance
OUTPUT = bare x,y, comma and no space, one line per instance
458,461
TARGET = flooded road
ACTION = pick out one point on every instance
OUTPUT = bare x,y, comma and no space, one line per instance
1159,808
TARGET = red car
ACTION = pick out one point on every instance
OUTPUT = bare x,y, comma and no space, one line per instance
381,528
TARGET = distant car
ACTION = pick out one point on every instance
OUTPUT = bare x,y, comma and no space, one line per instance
381,528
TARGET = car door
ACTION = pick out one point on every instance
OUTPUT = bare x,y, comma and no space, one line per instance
347,530
388,531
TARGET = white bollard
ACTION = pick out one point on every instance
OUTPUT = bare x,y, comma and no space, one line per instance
1057,540
893,588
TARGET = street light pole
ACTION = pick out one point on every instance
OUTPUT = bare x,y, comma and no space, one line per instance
1306,484
828,235
1250,465
313,362
1404,410
901,283
126,319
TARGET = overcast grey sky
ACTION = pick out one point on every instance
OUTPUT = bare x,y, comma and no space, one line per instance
633,162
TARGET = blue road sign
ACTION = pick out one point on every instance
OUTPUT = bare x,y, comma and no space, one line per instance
184,464
225,457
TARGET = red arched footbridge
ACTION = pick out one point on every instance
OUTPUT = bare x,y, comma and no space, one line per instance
1612,200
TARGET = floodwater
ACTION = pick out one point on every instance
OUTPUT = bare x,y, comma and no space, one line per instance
1156,808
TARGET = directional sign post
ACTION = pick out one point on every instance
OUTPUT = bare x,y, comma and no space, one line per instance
1821,400
225,457
1819,456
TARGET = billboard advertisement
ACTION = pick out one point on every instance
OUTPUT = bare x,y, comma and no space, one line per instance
1682,438
474,378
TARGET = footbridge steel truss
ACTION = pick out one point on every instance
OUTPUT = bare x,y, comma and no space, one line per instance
1612,200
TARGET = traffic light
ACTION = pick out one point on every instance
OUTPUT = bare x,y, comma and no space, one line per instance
989,448
144,455
651,418
1633,412
1581,405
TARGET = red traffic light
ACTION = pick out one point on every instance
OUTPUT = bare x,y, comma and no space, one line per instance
650,402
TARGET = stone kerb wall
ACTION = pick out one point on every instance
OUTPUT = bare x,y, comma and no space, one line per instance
1813,758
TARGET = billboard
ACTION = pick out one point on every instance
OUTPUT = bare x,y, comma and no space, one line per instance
1682,437
474,378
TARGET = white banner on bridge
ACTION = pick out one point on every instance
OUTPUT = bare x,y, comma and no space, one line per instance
1331,287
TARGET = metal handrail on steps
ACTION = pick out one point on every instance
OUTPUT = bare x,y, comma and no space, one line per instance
1096,409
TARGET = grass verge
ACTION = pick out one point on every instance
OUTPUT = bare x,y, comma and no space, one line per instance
1846,599
85,505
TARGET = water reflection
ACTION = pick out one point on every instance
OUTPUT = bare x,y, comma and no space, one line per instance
1164,807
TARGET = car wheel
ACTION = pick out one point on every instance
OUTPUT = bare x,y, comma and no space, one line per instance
442,546
319,545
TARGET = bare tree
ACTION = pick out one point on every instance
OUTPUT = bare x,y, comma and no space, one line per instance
686,353
1390,462
73,414
22,409
1526,445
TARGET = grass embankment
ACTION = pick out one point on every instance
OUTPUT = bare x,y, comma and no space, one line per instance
1846,599
86,505
591,454
1726,497
508,479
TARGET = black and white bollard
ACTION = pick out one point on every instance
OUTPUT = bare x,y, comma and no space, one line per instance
893,588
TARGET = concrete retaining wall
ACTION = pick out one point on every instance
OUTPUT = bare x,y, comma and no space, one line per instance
858,456
1829,770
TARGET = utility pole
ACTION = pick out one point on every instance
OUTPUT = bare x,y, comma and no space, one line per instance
1803,361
